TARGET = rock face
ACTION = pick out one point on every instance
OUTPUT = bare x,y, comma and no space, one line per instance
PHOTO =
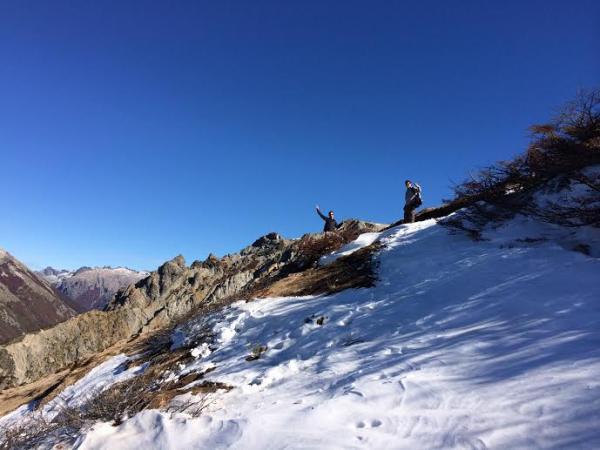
91,288
27,301
157,301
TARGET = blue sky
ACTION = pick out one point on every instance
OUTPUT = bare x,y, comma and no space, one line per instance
131,132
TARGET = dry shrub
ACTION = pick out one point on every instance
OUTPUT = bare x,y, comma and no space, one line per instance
583,210
569,143
113,405
313,247
35,431
192,407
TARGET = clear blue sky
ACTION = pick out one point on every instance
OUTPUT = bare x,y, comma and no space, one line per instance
131,132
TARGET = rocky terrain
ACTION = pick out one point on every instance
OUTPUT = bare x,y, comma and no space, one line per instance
281,333
91,288
417,336
175,290
27,301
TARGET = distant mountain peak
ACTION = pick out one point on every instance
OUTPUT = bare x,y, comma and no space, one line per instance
27,301
91,287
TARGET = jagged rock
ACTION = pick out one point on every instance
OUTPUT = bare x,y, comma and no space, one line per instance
154,302
267,240
211,261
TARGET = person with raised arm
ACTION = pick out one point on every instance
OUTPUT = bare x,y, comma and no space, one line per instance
329,219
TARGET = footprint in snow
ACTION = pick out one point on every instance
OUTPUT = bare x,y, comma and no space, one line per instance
375,423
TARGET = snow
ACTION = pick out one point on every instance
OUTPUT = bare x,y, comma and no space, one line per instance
150,429
97,380
202,351
364,240
460,345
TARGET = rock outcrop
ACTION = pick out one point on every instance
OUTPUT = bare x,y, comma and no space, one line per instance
27,302
159,300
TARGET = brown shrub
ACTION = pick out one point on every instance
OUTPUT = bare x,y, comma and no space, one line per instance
313,247
562,147
113,405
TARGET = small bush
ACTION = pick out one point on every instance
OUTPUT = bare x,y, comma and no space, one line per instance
114,405
313,247
564,146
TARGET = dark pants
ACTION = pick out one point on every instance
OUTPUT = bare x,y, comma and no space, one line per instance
409,212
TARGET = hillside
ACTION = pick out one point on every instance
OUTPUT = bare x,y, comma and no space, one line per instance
476,327
91,287
460,343
27,302
491,345
174,291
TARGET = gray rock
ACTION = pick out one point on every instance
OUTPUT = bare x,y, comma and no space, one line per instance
152,303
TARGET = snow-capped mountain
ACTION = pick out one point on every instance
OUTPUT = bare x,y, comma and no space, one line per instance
53,275
91,288
27,301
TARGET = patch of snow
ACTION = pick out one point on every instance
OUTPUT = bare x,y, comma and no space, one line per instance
202,351
97,380
154,429
461,344
100,378
364,240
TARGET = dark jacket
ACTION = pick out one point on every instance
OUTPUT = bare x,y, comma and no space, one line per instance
413,195
330,224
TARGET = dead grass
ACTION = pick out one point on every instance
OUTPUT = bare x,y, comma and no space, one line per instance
352,271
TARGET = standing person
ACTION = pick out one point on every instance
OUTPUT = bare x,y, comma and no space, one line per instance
330,222
412,200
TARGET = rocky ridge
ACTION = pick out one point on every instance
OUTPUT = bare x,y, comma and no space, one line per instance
159,300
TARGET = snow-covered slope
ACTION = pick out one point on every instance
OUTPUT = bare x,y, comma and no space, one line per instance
461,345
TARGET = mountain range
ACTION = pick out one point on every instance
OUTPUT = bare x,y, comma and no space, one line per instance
91,287
30,300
